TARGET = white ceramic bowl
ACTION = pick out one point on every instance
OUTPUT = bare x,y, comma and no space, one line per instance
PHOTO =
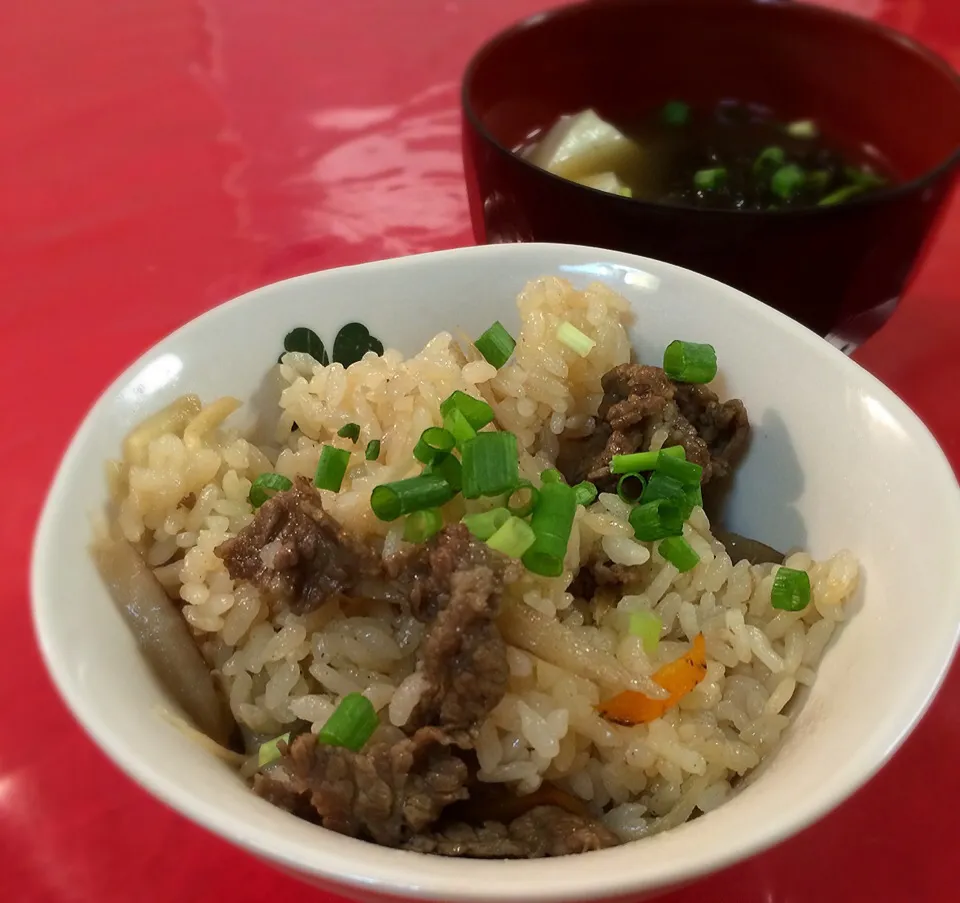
836,460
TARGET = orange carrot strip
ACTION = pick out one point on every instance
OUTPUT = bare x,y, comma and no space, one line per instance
678,678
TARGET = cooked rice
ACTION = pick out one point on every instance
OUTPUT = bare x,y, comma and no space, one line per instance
183,488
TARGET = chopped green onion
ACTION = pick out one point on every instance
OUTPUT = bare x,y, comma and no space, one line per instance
350,431
690,362
476,411
270,751
656,520
661,486
647,626
790,590
694,497
818,179
265,485
484,524
456,423
710,179
787,181
528,494
496,345
639,462
373,450
684,472
769,158
331,467
630,487
392,500
450,469
585,493
552,522
551,475
574,339
841,195
676,112
802,128
433,443
861,175
490,465
679,553
421,525
352,723
513,538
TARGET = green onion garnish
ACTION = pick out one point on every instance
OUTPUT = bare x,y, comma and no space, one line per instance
690,362
676,112
476,411
265,485
694,497
574,339
352,723
421,525
496,345
456,423
639,462
552,522
630,487
350,431
373,450
787,181
526,494
679,553
585,493
490,465
551,475
841,195
484,524
392,500
450,469
433,443
710,179
660,486
331,467
656,520
790,590
862,175
769,158
514,538
684,472
818,179
269,751
647,626
802,128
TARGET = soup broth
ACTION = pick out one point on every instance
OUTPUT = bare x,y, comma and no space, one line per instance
733,156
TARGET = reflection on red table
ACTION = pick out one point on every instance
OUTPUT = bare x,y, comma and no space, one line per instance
159,157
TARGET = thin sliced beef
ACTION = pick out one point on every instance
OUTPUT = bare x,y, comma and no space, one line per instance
455,587
295,552
394,788
638,401
543,831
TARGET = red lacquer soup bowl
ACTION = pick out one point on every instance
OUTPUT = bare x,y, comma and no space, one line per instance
839,270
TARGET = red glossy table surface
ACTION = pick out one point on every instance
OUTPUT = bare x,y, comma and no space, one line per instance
160,156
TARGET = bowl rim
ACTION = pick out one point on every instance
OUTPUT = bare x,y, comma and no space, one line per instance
374,869
790,7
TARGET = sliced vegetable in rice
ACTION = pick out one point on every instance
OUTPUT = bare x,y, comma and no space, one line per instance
679,677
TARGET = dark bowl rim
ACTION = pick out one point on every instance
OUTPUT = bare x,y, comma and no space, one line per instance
797,7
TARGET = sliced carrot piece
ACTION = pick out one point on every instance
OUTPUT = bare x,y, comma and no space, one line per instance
678,678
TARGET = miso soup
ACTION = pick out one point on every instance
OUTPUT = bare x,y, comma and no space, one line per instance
732,156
